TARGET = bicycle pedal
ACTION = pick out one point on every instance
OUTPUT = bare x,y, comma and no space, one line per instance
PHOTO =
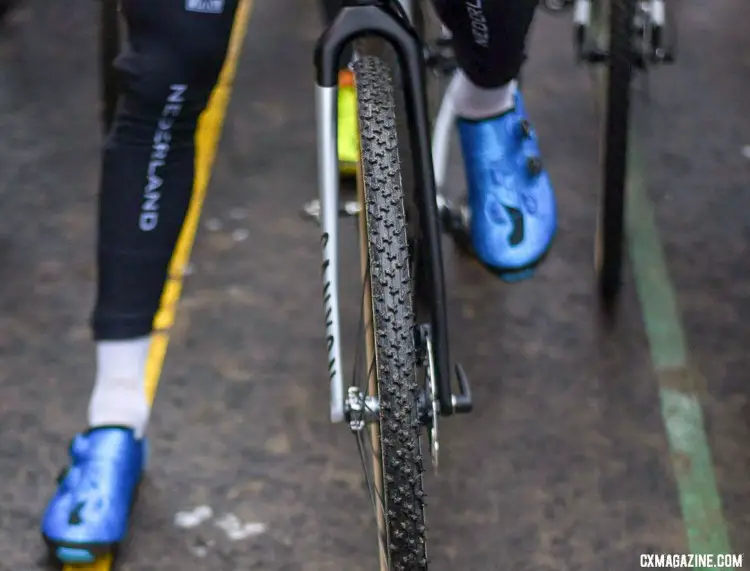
347,209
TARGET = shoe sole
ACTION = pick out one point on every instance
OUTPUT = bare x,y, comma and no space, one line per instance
89,553
74,556
80,554
520,274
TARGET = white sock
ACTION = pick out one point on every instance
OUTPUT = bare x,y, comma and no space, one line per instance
119,396
473,102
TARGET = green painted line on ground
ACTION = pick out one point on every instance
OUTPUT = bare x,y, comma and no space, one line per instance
655,291
678,390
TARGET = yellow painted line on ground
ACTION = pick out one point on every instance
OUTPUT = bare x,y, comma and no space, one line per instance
207,142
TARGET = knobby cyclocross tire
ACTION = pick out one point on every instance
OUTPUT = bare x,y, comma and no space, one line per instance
392,325
427,25
611,223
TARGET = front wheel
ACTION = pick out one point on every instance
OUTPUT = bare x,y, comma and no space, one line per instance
389,322
610,235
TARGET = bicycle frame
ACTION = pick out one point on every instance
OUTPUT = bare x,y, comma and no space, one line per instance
356,19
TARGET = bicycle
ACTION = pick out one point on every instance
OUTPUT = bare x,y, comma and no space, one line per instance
407,378
625,36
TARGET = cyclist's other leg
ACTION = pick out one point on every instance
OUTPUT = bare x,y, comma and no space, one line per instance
169,68
348,132
513,210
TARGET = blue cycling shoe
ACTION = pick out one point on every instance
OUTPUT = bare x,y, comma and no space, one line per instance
88,515
511,199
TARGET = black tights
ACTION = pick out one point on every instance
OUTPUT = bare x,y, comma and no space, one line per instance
169,68
489,36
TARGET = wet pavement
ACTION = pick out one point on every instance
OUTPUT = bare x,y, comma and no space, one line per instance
564,464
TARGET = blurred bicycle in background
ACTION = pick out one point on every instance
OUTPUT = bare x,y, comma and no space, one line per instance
618,38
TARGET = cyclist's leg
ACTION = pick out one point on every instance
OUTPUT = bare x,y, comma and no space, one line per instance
510,196
348,136
169,69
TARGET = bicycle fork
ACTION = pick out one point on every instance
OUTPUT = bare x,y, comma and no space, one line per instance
356,19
